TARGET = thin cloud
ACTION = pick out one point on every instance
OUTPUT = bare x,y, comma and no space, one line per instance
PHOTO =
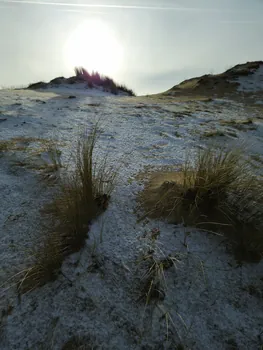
129,7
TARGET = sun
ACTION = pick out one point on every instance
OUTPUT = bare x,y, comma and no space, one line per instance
94,46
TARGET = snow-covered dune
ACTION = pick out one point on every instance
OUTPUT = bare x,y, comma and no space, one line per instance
85,83
210,301
243,78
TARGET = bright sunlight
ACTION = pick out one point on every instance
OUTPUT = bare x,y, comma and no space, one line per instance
94,46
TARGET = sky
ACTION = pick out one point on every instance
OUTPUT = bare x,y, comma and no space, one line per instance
148,45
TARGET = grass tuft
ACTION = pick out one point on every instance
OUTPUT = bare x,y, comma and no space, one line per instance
83,194
218,193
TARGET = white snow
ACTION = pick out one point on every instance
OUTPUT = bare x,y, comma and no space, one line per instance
207,302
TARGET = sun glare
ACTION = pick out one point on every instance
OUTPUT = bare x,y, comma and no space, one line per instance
94,46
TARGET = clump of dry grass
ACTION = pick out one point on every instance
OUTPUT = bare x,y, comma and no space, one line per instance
14,144
240,124
153,284
24,143
32,150
49,169
83,194
153,263
219,193
3,146
20,143
248,121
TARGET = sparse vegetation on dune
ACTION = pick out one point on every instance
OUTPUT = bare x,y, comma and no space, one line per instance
83,194
218,193
93,80
96,79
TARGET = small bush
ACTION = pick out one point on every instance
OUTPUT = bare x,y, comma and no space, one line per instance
218,193
83,194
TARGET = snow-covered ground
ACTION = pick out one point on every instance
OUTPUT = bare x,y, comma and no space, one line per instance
210,301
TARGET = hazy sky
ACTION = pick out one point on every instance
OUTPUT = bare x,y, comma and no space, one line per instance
148,45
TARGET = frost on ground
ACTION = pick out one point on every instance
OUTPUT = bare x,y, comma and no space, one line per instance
209,301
